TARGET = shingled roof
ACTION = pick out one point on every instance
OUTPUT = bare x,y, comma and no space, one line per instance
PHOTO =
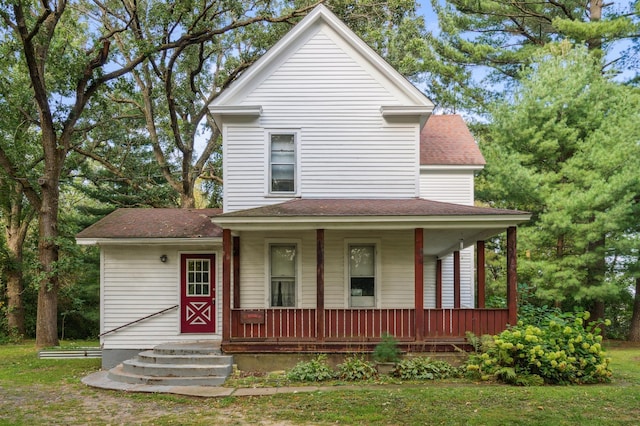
155,223
446,140
367,207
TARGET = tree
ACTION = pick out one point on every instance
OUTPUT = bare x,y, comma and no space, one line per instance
565,147
503,37
70,58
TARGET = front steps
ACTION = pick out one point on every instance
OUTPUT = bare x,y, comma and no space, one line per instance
176,364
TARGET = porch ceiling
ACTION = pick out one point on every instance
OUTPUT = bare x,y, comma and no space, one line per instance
446,224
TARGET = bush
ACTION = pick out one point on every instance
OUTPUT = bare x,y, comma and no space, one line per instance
561,350
356,368
315,370
424,368
387,350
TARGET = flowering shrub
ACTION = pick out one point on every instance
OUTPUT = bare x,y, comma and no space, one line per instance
561,350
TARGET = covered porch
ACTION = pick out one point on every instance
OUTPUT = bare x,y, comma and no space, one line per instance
420,322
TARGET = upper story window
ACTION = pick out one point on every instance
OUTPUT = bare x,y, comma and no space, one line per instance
282,163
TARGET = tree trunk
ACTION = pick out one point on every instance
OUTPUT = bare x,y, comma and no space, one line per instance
16,232
15,307
634,330
47,318
595,15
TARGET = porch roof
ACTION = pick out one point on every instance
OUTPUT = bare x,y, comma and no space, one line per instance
144,224
448,225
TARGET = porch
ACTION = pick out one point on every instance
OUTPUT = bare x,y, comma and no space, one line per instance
418,232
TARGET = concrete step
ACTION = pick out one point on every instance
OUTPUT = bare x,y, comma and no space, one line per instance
189,348
153,357
135,366
119,375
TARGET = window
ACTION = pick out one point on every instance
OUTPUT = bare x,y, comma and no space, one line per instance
282,261
282,162
198,283
362,275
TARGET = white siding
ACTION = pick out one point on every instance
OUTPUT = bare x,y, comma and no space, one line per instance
136,284
254,270
346,148
467,292
395,253
455,186
450,186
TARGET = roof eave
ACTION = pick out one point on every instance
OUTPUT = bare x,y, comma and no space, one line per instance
451,166
147,241
245,223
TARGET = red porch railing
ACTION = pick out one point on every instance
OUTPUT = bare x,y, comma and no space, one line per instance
369,324
273,324
348,325
456,322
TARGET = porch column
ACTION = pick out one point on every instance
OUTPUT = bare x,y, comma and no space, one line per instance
320,284
226,285
456,279
439,284
512,275
419,282
481,273
236,272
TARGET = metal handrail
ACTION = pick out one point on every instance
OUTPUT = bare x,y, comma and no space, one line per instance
138,320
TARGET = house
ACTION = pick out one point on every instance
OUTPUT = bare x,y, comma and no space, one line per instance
348,212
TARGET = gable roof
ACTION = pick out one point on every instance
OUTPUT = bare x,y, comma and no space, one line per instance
319,16
143,223
446,140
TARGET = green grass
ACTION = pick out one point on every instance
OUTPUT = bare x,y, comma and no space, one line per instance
34,391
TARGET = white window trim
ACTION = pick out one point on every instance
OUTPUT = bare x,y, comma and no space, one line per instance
267,163
377,243
267,271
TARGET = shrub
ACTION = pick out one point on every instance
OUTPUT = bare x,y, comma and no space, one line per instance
424,368
356,368
561,350
387,350
315,370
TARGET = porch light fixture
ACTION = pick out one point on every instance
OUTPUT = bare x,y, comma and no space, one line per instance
461,243
163,258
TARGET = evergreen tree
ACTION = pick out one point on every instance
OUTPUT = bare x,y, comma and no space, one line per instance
566,148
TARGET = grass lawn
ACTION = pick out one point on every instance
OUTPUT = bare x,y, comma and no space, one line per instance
34,391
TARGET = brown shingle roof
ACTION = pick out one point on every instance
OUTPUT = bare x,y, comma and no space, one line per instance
155,223
446,140
367,207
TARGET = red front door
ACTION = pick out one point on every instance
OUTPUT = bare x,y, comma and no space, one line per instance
198,293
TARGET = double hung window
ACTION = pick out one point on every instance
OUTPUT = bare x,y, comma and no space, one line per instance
282,263
282,163
362,275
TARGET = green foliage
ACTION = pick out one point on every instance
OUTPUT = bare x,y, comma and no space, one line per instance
564,349
503,37
424,368
387,350
355,367
316,370
564,148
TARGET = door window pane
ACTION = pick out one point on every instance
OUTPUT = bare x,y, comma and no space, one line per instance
198,283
